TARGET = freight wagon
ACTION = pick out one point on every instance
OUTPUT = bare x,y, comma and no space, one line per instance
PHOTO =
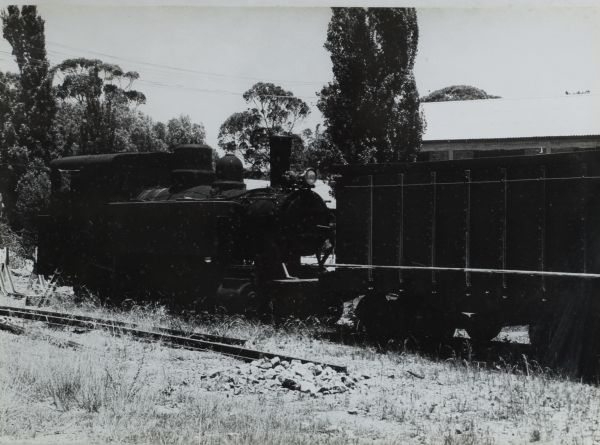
476,244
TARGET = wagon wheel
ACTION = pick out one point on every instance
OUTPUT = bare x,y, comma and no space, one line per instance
441,331
483,330
540,336
567,337
379,319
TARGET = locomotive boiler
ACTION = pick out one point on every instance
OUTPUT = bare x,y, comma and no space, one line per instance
172,226
476,244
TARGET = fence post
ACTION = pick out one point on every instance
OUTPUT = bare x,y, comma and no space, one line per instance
6,284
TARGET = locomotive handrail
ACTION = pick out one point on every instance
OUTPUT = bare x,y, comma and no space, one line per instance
468,269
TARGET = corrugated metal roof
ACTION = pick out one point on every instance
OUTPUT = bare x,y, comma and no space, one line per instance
569,115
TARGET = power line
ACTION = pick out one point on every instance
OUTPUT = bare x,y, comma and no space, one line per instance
221,91
185,87
207,90
174,68
188,70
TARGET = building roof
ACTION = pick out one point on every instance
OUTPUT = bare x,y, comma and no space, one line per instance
569,115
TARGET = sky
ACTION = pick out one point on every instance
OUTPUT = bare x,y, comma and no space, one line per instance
198,61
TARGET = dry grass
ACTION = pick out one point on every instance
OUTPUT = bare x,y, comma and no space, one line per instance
116,389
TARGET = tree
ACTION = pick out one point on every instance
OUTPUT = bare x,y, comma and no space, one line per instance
103,93
457,92
279,110
242,131
10,91
28,117
134,131
143,134
33,192
181,130
33,115
371,108
272,111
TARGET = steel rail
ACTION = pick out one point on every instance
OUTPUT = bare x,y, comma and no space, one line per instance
117,323
231,350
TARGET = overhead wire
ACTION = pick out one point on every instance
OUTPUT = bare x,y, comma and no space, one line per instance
180,86
190,70
163,68
170,67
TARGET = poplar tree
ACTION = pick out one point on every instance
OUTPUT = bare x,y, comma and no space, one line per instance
34,113
28,135
371,108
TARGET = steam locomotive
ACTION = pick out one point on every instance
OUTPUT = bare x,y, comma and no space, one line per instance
172,226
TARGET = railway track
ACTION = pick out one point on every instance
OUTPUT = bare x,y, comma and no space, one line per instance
232,347
87,321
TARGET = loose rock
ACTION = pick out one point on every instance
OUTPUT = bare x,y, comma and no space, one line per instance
270,374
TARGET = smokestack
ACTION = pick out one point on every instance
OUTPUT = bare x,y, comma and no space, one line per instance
279,157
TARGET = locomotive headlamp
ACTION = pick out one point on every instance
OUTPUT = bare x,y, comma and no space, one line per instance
310,176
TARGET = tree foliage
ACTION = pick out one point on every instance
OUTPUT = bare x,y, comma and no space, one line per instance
98,112
133,131
457,92
102,94
10,92
272,110
33,191
371,108
181,130
278,109
28,141
33,115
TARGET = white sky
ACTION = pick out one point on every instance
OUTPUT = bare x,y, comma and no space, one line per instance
198,60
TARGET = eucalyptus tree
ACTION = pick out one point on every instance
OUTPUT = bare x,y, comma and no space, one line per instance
102,92
271,110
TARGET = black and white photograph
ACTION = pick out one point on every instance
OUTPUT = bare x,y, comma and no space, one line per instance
296,222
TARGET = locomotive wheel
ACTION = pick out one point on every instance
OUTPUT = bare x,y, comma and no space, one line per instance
251,297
